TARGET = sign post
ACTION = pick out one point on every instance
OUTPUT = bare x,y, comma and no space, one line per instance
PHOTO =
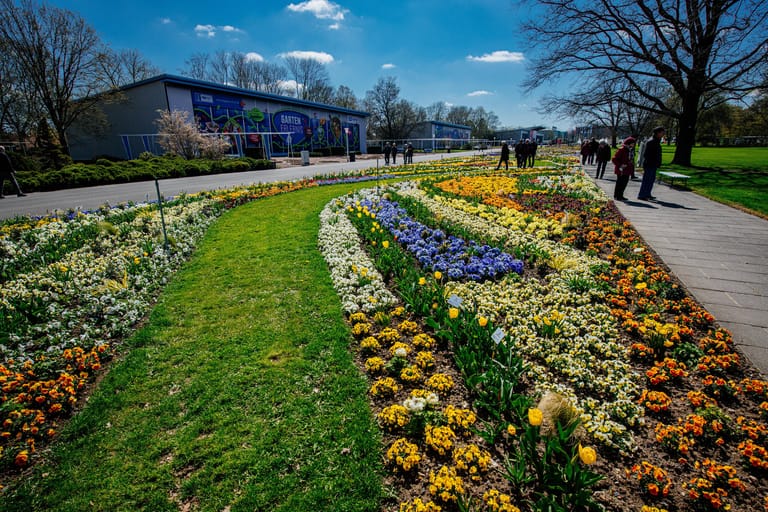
346,133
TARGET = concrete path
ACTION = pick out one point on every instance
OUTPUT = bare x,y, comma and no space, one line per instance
718,252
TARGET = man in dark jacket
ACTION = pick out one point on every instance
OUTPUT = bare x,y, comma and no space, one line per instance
7,173
603,155
504,156
651,162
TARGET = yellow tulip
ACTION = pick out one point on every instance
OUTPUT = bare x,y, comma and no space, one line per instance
587,455
482,321
453,313
535,417
438,275
511,430
422,281
385,244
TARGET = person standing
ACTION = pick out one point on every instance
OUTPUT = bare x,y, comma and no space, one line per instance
603,155
519,153
624,160
8,173
409,153
651,162
386,153
532,152
504,156
393,152
593,145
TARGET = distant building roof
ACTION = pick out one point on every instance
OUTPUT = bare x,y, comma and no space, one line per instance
191,82
452,125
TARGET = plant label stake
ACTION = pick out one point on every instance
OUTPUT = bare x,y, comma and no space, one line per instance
162,216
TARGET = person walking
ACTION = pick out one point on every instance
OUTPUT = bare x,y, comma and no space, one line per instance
603,155
651,162
393,152
584,152
8,173
504,156
386,153
409,153
624,160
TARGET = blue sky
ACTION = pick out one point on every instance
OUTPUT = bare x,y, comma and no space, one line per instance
462,52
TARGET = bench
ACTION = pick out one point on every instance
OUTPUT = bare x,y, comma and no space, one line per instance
671,176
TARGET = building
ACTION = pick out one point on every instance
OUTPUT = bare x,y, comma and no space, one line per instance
438,134
257,124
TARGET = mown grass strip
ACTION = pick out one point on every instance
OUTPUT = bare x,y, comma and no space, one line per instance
239,394
734,176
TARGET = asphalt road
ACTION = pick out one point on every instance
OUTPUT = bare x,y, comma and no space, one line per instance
89,198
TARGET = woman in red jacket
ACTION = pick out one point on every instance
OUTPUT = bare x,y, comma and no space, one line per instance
624,160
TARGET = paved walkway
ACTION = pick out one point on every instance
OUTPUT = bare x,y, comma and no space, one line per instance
719,253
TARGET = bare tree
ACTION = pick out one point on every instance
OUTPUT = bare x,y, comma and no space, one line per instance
482,123
344,97
59,54
706,51
381,102
437,111
197,66
271,77
311,77
221,68
20,107
125,67
391,116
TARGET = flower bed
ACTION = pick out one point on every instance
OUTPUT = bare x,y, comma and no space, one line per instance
656,385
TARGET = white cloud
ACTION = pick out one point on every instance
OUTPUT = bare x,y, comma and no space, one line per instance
321,57
253,57
166,21
210,31
205,30
479,93
230,28
322,9
290,86
388,66
498,56
335,26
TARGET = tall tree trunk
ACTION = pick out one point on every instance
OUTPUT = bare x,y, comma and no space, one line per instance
686,135
63,142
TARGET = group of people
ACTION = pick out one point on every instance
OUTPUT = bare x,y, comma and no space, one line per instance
624,162
390,151
593,151
525,154
650,161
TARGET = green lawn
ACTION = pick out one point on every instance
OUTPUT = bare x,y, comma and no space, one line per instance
734,176
240,393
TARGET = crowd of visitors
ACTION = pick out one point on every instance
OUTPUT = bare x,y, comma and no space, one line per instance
525,153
